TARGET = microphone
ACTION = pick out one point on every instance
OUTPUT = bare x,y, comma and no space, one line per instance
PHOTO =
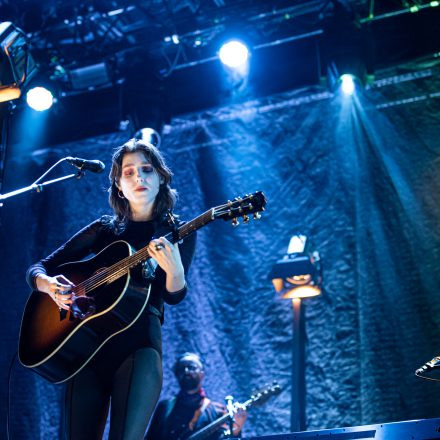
432,364
95,166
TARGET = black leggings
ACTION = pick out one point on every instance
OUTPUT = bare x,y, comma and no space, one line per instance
133,389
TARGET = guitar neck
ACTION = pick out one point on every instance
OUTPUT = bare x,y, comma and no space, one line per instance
215,425
240,207
174,236
120,268
189,227
210,429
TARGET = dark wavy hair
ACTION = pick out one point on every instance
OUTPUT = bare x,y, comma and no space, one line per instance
165,199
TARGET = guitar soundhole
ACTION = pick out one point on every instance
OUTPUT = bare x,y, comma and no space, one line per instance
83,307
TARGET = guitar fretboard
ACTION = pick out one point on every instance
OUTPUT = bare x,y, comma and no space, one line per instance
122,267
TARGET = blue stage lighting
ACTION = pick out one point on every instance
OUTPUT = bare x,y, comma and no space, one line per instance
39,99
234,54
347,84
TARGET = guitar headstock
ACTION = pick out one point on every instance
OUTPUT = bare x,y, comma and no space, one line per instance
241,207
263,394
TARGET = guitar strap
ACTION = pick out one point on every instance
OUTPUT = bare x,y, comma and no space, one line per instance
198,413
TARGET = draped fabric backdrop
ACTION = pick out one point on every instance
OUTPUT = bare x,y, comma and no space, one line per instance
359,176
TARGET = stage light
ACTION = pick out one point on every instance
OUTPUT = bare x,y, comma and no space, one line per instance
16,63
39,98
298,276
149,135
347,84
234,54
298,273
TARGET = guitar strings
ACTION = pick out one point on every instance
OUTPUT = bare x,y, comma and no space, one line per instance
115,271
120,268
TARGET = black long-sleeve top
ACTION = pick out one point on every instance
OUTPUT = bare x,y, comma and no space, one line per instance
99,234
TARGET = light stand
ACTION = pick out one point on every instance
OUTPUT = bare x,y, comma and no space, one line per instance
298,402
297,276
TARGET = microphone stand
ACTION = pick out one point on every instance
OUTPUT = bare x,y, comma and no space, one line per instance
38,187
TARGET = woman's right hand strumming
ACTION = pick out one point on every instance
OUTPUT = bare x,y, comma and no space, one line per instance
57,287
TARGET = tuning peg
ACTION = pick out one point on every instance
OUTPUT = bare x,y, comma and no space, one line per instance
235,222
245,219
256,216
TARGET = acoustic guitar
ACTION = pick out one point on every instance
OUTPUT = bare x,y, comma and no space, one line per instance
106,299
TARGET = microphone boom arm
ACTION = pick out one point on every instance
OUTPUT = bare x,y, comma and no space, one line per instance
95,166
38,187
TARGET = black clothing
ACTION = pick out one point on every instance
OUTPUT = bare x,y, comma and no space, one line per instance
134,389
99,234
128,368
172,417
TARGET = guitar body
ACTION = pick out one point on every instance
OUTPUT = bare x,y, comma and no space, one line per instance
58,345
58,348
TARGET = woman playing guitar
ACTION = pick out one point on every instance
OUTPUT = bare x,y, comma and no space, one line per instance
127,368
